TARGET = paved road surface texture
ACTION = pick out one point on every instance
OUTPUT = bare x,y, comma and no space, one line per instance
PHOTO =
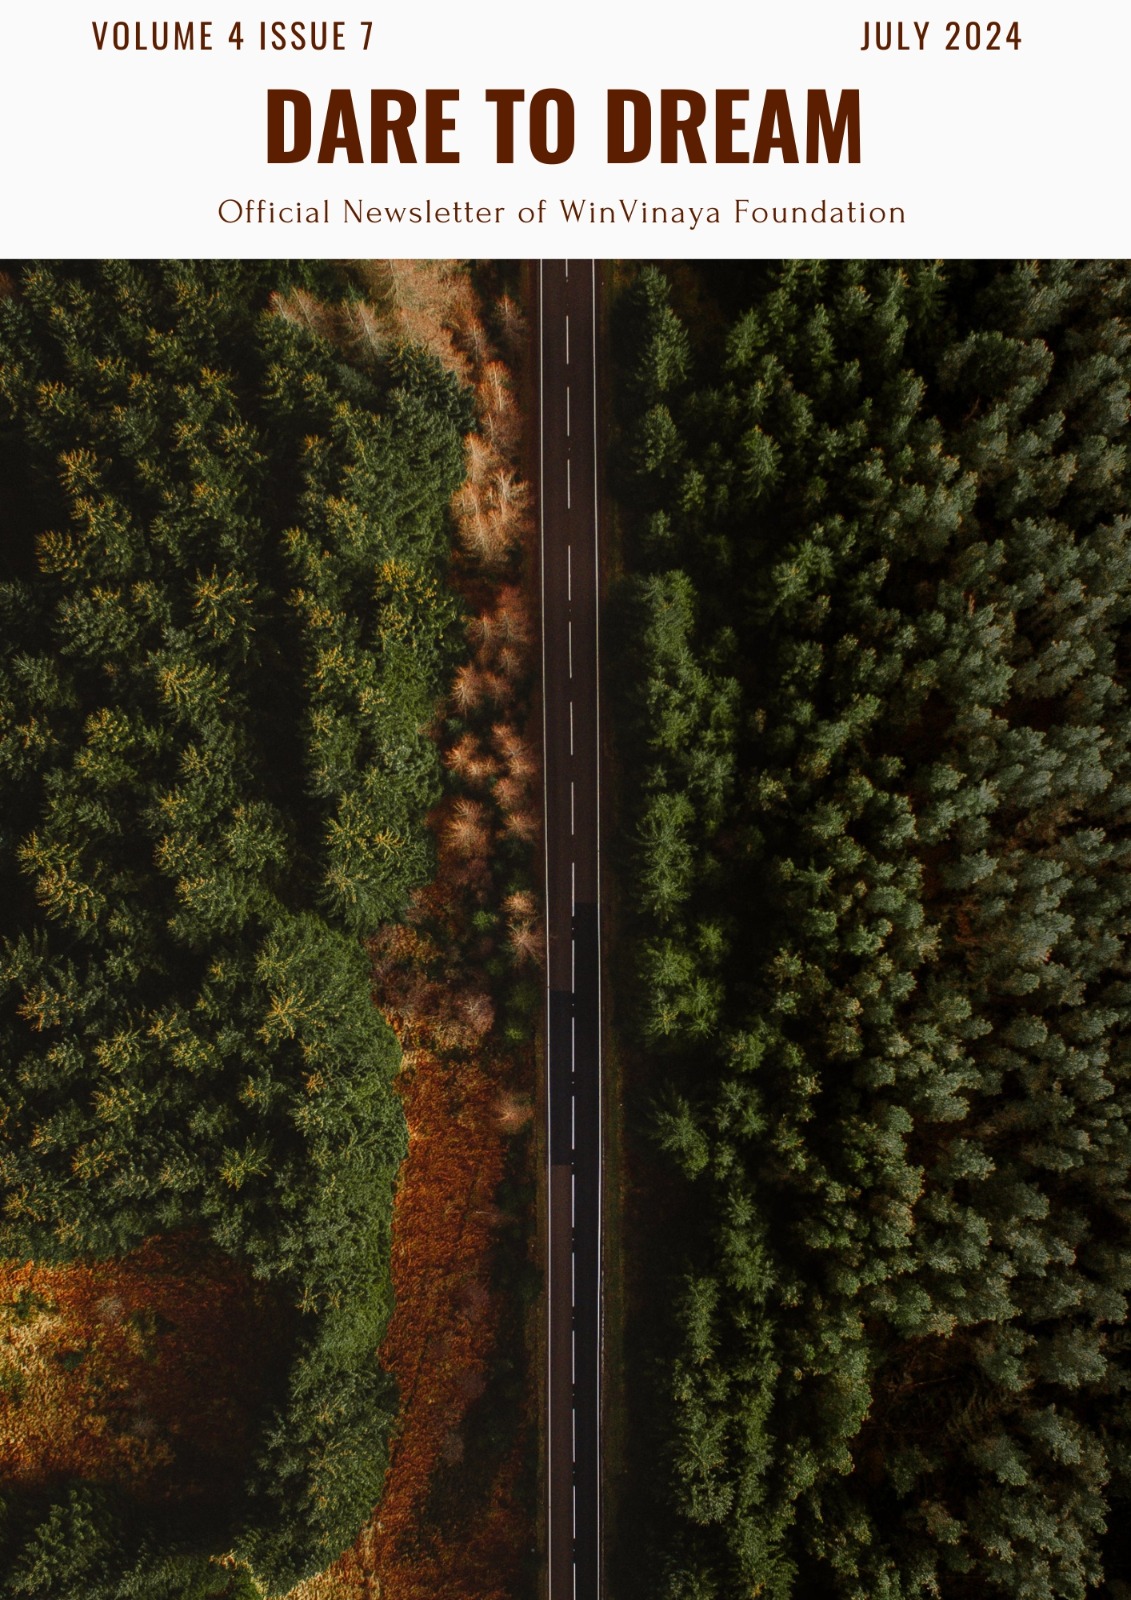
567,321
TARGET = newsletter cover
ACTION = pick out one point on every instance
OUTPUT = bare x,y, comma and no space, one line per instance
565,803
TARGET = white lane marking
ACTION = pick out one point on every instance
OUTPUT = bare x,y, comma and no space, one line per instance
569,572
569,636
572,887
572,1124
569,496
571,815
593,278
597,831
572,964
550,1440
571,727
567,410
573,1280
567,271
575,1508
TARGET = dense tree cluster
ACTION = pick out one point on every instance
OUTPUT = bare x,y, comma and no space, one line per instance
224,626
878,852
459,982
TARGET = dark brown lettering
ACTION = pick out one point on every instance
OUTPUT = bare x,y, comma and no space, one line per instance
506,100
436,125
775,130
277,102
382,124
340,131
619,101
820,126
727,125
540,104
674,127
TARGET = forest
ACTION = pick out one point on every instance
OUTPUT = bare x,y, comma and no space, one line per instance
875,755
225,627
458,979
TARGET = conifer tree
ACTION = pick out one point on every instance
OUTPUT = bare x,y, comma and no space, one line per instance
224,630
877,846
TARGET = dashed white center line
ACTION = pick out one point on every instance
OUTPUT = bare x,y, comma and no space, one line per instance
578,1466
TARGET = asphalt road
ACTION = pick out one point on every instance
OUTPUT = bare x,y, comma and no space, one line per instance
567,432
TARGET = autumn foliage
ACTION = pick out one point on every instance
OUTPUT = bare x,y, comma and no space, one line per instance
243,1082
147,1372
455,981
225,628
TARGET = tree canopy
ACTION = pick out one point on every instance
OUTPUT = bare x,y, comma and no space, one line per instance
224,625
876,841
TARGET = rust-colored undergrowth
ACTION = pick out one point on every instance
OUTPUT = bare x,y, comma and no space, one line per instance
454,1522
150,1372
147,1372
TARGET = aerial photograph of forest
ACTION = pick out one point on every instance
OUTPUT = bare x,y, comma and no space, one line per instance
263,759
278,949
877,779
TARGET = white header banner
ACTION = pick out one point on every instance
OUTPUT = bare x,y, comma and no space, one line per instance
602,128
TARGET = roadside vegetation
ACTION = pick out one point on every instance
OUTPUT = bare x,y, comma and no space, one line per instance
460,981
150,1375
226,623
873,688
